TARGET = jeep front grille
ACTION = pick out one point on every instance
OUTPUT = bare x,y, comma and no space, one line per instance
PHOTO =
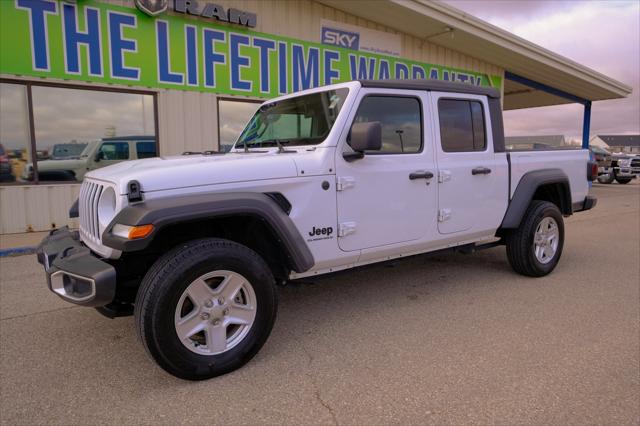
88,208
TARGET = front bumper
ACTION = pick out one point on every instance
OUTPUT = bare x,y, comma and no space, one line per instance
73,272
627,171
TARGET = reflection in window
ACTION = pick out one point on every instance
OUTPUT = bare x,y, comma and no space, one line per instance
401,121
461,125
14,132
234,116
87,121
114,151
146,149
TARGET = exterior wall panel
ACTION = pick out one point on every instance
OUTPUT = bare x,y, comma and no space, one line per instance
36,208
187,121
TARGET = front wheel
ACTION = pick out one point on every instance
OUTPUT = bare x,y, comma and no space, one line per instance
534,248
623,181
205,308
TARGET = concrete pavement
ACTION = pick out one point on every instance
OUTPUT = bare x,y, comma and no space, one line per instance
449,339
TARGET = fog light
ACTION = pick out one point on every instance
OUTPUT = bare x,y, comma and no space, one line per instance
76,287
71,286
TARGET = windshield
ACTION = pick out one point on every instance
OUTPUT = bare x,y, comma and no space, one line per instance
303,120
67,150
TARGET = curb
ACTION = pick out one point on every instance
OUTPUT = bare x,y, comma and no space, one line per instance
17,251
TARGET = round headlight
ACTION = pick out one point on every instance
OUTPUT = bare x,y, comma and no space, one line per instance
106,207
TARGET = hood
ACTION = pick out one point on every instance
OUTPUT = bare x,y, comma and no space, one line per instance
68,164
162,173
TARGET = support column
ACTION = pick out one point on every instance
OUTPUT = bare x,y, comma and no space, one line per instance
586,124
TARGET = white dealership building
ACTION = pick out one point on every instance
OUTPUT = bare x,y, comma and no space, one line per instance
130,79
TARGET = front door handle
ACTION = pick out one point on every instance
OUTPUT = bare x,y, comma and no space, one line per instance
420,174
481,171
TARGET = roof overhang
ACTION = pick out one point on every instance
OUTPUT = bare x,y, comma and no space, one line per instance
447,26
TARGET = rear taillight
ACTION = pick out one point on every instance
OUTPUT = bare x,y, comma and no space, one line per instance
4,159
592,171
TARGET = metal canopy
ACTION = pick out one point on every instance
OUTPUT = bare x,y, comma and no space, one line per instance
446,26
527,84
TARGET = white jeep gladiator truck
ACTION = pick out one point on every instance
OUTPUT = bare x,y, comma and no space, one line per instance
319,181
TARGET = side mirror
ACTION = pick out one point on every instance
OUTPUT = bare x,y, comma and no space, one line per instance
99,156
364,137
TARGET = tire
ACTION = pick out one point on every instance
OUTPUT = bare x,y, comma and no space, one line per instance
521,249
607,178
178,275
623,181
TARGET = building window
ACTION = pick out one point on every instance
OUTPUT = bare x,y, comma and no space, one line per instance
15,142
401,121
233,115
73,130
461,125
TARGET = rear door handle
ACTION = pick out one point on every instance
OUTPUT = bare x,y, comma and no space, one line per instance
420,174
481,171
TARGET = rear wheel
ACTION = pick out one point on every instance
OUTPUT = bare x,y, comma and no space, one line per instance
534,248
623,181
206,308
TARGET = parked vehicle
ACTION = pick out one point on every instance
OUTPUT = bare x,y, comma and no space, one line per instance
319,181
603,158
95,155
6,175
625,167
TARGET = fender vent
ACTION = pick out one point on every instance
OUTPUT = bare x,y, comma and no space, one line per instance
280,200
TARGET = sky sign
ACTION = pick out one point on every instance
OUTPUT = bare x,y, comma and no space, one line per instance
92,41
359,38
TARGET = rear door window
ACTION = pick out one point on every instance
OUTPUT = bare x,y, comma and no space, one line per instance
462,127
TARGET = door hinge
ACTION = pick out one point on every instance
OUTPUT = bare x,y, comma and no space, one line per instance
346,228
345,182
444,214
444,176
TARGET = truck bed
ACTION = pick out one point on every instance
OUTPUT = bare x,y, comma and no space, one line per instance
571,162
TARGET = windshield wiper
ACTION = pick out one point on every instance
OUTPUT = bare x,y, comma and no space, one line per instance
277,142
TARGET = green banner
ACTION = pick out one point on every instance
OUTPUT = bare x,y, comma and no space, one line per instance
93,41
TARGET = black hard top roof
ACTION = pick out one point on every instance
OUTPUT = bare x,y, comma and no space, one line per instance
131,138
432,85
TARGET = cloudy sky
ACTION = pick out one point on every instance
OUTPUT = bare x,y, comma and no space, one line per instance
603,35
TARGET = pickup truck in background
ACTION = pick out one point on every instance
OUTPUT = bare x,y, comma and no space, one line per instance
95,155
620,167
626,167
319,181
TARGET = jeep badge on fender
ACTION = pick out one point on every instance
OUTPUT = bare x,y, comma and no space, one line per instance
321,231
196,247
